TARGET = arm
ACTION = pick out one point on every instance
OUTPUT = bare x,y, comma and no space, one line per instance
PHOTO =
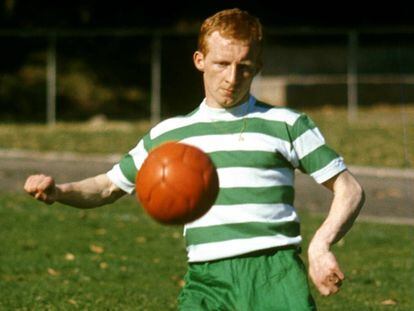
347,201
88,193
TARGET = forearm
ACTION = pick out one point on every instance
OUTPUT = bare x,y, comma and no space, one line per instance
346,204
348,199
88,193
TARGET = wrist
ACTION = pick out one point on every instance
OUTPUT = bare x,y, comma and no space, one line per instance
60,191
318,246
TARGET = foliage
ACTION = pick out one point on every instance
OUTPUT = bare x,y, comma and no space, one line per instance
90,78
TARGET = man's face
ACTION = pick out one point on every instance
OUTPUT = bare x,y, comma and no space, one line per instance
228,69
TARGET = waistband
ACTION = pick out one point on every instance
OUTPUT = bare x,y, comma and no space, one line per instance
270,251
261,252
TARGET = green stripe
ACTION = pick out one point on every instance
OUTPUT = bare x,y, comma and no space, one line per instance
256,159
259,195
128,168
147,143
302,124
250,125
226,232
317,159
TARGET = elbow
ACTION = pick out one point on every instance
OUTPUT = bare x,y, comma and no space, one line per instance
358,196
111,194
362,198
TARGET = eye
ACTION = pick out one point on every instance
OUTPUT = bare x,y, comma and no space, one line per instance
222,64
246,69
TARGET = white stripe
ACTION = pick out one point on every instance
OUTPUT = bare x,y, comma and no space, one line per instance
173,123
333,168
275,114
139,154
254,177
116,176
232,142
308,142
240,213
207,115
210,114
231,248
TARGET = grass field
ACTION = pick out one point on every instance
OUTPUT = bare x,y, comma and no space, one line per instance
117,258
382,136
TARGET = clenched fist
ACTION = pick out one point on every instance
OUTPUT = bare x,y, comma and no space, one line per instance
325,273
42,188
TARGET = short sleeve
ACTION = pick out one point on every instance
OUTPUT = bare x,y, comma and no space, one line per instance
315,157
123,173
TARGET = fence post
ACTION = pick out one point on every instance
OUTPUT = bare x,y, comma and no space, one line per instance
352,76
156,79
51,81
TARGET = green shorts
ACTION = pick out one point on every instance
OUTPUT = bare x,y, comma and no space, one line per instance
265,281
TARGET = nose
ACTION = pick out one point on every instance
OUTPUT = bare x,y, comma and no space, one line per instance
231,74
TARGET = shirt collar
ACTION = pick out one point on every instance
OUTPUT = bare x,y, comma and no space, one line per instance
238,111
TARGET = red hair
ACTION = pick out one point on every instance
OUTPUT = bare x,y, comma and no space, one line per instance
232,24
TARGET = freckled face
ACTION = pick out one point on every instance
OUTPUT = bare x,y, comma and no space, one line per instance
228,69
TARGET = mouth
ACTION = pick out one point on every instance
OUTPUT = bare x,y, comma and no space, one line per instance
229,92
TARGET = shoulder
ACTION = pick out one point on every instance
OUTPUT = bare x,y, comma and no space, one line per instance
276,113
173,123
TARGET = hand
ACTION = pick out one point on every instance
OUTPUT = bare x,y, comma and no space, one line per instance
324,271
42,188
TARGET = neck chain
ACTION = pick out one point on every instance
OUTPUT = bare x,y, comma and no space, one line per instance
241,138
244,114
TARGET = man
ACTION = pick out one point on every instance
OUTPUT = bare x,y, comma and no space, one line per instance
243,254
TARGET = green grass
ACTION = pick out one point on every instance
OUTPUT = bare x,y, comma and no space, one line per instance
378,261
111,137
382,136
140,265
117,258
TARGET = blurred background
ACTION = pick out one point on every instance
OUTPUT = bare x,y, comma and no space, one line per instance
65,61
82,81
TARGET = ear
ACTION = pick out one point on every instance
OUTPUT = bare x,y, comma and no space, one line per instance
198,59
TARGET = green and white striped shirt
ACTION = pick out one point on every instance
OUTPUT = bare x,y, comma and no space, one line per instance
256,148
